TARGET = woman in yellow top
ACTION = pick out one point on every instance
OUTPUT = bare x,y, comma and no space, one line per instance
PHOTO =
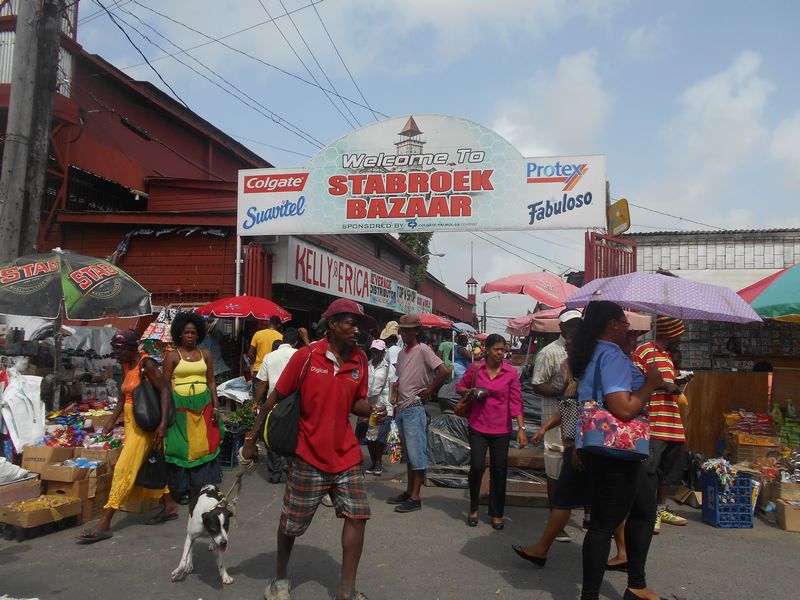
138,443
192,442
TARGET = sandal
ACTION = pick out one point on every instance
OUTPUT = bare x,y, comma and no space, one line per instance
161,518
91,536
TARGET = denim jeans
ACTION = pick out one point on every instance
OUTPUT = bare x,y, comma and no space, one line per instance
412,423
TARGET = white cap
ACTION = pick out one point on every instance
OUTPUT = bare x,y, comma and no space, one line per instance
569,315
378,345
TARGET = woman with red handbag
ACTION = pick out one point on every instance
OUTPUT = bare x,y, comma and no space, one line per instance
612,413
493,386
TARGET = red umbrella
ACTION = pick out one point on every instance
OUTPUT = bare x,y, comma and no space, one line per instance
542,287
431,320
243,307
481,336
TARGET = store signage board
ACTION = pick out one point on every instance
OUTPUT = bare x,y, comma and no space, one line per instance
423,173
313,268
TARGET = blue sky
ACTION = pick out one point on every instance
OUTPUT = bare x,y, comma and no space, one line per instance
696,104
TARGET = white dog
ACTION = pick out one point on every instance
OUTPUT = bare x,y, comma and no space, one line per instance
208,517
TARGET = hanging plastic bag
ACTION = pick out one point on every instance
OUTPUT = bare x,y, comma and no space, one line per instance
393,445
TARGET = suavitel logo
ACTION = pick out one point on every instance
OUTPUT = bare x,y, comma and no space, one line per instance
279,182
567,174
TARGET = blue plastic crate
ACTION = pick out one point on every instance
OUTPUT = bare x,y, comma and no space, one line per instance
731,508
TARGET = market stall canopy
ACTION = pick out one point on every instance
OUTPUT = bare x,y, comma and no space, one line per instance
90,288
670,296
546,321
542,287
435,321
733,279
777,296
243,307
464,328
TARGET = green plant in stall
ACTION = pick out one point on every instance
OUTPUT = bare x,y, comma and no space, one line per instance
242,417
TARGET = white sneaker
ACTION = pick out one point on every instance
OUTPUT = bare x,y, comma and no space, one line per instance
278,589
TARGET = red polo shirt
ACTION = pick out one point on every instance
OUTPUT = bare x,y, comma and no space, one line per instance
326,439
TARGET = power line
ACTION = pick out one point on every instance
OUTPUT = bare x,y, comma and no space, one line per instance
658,212
250,56
251,140
305,66
297,29
508,251
99,13
113,20
546,241
273,116
555,262
344,63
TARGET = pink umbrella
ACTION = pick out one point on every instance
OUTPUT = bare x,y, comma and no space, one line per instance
546,321
431,320
542,287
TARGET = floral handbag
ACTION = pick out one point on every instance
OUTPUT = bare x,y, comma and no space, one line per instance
604,434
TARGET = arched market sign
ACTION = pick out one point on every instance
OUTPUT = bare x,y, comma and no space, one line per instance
423,173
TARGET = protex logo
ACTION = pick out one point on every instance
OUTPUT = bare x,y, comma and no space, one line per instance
567,174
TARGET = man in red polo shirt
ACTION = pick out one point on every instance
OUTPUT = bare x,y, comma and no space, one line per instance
328,455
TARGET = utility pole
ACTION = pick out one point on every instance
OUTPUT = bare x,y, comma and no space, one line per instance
33,81
49,35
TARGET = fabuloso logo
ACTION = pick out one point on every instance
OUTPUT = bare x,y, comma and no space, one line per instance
539,211
567,174
258,184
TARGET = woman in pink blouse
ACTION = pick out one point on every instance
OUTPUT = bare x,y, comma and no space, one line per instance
490,425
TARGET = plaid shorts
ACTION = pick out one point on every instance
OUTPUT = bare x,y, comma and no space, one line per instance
306,486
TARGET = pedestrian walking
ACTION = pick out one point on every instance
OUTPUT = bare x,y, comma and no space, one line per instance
490,425
619,487
331,376
138,443
274,363
419,373
261,344
192,442
549,383
668,459
380,375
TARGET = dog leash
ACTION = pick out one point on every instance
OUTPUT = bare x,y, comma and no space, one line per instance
237,487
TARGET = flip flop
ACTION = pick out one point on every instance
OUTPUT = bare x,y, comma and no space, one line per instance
91,536
161,518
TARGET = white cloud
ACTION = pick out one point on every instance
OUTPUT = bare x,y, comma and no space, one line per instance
722,119
646,42
786,148
561,111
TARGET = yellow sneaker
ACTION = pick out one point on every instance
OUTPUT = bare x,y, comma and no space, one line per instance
670,518
657,526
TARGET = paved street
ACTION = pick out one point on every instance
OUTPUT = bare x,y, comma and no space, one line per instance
427,555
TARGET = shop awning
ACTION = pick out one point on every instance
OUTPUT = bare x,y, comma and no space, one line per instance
733,279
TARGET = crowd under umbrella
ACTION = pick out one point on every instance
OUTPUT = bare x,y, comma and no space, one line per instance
669,296
63,285
776,297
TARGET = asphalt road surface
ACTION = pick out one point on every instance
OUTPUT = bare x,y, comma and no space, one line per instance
426,555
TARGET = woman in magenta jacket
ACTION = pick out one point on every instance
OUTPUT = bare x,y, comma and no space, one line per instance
490,425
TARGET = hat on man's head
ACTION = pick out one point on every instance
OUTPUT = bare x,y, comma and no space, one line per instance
568,314
409,322
669,327
126,339
342,306
378,345
390,330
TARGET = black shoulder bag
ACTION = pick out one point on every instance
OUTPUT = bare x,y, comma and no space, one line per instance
147,404
282,424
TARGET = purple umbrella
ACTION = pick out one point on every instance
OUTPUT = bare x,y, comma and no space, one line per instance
670,296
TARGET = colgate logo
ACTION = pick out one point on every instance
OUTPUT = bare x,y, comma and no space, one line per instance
275,183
